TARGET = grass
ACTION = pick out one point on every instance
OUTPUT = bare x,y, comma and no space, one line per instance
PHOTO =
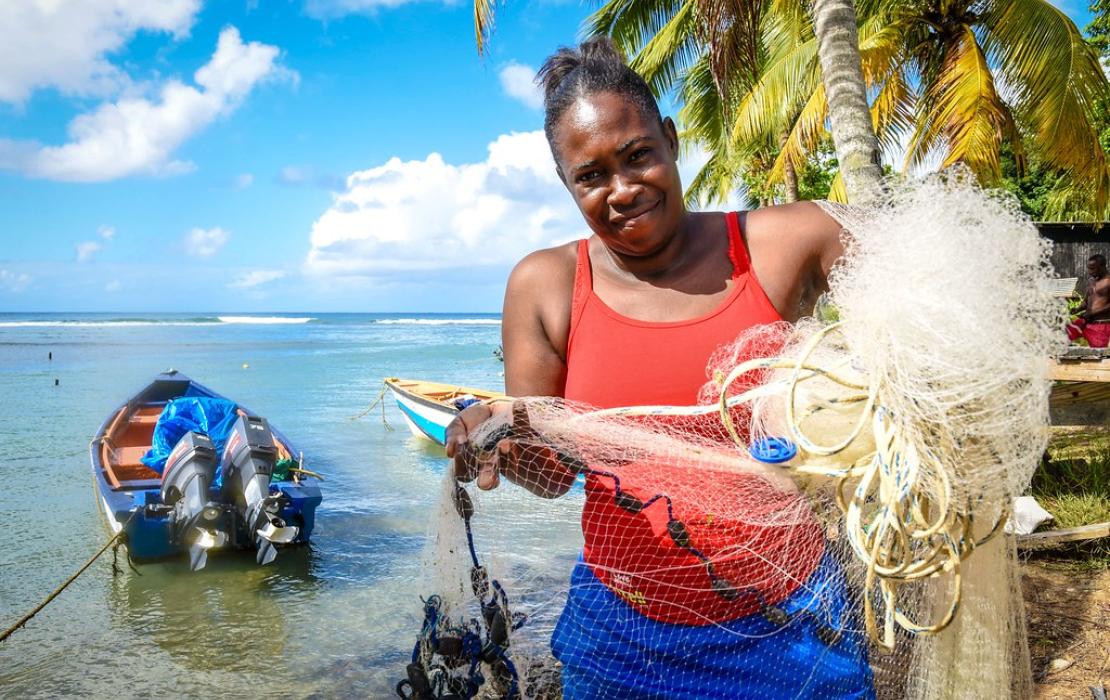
1074,485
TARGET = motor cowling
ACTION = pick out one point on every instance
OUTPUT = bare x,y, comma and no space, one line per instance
246,468
196,521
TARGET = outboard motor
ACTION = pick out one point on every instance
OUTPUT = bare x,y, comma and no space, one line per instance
246,468
196,520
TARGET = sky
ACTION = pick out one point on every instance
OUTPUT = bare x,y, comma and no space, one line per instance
277,155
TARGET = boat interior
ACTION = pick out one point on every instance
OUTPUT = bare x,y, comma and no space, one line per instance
126,440
129,436
444,393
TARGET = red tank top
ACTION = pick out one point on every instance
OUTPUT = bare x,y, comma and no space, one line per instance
613,360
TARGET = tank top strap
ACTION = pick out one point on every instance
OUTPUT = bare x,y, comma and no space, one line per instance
737,250
583,286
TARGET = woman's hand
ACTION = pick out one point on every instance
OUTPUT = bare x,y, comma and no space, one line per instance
520,455
468,460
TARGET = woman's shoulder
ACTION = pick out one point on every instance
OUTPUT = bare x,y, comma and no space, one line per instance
797,229
792,216
536,315
547,266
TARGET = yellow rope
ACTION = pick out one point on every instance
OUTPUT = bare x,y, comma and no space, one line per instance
377,401
307,472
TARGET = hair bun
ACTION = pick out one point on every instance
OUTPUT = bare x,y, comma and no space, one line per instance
596,50
596,66
601,48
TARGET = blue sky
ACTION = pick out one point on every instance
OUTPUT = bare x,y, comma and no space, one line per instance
275,155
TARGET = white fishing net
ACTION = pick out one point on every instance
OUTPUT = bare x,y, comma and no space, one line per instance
827,522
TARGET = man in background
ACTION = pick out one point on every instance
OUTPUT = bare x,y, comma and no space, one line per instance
1094,313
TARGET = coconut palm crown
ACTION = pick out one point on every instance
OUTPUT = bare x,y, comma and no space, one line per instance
948,82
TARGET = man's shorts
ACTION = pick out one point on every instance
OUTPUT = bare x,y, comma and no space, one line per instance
1096,333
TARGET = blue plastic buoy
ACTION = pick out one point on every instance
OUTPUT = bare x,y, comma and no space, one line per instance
773,450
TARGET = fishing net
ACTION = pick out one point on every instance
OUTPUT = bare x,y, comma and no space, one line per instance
826,522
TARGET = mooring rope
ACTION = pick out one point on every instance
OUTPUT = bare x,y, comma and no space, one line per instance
377,401
58,591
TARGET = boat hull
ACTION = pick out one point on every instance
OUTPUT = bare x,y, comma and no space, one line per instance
130,504
428,407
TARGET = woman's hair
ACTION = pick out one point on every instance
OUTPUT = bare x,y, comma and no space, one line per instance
595,66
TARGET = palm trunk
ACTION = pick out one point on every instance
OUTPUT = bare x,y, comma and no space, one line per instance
857,149
790,178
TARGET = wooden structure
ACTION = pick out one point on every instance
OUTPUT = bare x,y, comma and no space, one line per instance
1081,396
1051,538
1073,243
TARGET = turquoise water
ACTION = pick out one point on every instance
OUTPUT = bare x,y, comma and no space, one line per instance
335,619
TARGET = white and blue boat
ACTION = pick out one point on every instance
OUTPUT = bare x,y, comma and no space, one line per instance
429,406
234,484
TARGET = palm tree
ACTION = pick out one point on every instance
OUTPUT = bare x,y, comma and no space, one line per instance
730,33
954,77
857,149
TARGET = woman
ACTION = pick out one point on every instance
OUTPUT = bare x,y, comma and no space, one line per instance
631,316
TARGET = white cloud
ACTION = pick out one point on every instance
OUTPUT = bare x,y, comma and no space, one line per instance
107,232
243,181
429,214
14,282
204,243
254,278
332,9
86,249
432,215
138,135
64,44
113,286
518,81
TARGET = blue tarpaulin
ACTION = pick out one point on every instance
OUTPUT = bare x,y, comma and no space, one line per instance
212,417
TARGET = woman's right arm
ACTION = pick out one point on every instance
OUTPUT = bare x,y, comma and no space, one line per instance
534,331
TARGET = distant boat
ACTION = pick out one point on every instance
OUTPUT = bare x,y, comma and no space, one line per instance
429,406
202,500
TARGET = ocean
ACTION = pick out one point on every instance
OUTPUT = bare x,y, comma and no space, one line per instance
337,618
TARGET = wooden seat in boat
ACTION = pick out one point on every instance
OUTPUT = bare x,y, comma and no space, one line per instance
125,465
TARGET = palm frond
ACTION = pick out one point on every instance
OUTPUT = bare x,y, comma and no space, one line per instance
1053,78
703,112
804,136
837,191
1075,202
963,111
715,182
631,23
483,23
771,105
668,55
731,31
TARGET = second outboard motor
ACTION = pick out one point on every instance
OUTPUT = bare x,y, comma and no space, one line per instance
246,468
185,483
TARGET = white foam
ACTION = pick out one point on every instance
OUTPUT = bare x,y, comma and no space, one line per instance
273,320
138,323
439,322
99,324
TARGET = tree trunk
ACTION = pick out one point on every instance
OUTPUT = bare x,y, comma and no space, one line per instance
790,178
857,149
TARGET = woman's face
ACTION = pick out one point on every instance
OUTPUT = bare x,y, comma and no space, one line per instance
620,166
